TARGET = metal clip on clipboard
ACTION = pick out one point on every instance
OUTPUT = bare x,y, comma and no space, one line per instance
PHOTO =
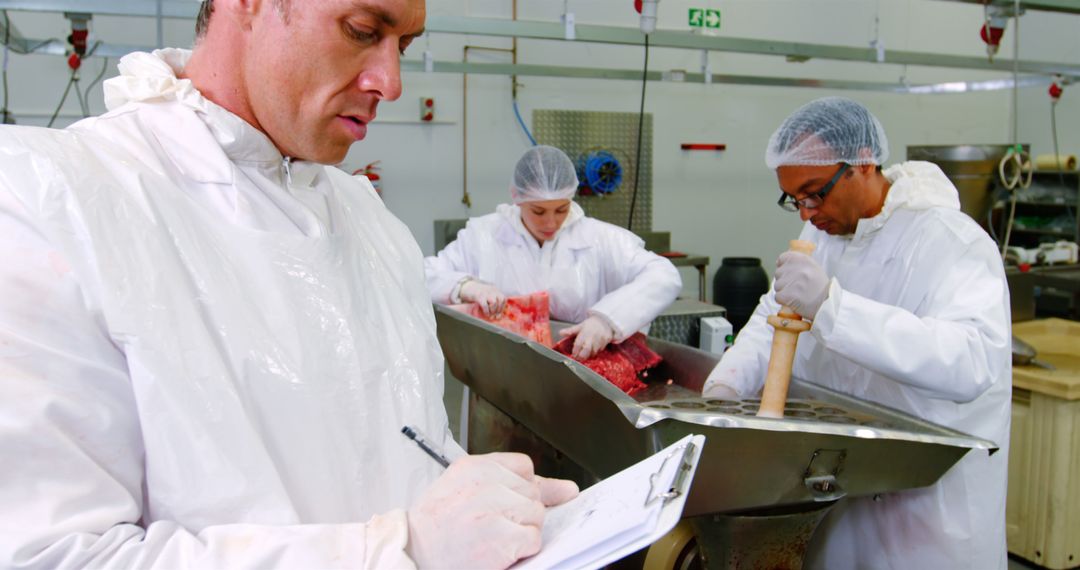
685,454
605,522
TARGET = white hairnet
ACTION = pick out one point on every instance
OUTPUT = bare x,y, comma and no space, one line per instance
543,173
828,131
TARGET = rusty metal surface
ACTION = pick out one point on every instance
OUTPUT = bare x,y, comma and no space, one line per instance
767,540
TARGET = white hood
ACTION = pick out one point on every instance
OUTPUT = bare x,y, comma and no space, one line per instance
512,214
151,77
915,185
918,185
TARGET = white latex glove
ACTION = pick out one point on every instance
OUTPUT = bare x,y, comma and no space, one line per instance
485,511
491,300
593,334
800,283
718,384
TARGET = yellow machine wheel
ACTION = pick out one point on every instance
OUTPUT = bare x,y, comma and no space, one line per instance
676,550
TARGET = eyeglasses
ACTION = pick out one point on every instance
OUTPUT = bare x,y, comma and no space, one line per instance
813,201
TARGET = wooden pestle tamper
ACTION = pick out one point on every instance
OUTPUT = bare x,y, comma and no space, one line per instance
788,325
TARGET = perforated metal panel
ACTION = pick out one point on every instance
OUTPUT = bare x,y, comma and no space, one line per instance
577,132
681,322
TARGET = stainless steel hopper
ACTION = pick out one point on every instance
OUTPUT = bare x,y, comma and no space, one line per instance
526,397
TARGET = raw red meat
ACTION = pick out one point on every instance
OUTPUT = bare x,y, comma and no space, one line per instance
526,315
619,363
639,353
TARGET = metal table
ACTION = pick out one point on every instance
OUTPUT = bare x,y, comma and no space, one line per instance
701,262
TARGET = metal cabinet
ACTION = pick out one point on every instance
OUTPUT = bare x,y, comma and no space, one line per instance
1046,211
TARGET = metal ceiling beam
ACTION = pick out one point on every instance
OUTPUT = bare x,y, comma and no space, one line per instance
21,45
101,49
720,78
1065,6
186,9
686,40
95,49
607,35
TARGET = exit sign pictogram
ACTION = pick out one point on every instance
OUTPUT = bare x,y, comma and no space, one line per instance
704,18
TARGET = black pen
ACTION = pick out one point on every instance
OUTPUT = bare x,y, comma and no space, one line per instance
414,434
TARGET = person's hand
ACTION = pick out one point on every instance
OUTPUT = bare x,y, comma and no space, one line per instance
485,511
593,334
718,384
491,300
801,283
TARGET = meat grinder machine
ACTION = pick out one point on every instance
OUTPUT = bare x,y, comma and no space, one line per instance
762,484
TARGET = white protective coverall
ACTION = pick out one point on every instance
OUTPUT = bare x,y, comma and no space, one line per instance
917,319
206,352
590,268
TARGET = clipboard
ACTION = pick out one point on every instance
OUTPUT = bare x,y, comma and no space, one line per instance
621,514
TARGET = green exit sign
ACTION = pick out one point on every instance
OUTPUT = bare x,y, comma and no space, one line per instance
704,18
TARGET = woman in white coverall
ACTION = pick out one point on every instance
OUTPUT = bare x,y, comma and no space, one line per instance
597,275
210,340
910,309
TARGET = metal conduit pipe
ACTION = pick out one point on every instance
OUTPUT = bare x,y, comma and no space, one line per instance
465,198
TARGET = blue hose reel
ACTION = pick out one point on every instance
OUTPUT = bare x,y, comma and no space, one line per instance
599,173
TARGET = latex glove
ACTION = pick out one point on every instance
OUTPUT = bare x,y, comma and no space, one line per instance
491,300
718,384
800,283
593,334
485,511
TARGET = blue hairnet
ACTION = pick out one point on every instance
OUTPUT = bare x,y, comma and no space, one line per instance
543,173
828,131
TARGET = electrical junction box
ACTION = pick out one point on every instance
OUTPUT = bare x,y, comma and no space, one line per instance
427,109
717,334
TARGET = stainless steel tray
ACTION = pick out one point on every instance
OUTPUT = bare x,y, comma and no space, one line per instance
829,446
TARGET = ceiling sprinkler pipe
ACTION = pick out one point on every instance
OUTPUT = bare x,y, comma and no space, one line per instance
648,16
994,24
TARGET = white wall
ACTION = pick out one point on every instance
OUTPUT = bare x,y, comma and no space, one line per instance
717,204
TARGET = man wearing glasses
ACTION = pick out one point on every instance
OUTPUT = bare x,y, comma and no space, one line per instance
910,309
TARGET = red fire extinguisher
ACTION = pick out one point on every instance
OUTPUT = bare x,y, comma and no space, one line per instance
371,171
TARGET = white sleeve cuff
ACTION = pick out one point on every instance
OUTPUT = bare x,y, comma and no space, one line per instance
825,320
619,335
455,293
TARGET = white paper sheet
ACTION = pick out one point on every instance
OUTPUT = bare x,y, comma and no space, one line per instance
620,514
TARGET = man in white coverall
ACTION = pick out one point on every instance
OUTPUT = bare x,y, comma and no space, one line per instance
209,341
910,309
598,275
